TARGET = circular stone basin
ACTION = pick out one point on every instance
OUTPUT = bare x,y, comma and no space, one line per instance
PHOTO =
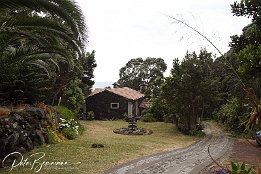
130,131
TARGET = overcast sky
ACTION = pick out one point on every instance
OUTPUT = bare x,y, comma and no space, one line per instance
120,30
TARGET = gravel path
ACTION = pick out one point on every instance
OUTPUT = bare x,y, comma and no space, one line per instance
192,159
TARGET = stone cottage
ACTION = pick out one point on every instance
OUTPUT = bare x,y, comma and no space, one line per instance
115,103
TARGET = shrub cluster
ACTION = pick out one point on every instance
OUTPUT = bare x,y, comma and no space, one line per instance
69,125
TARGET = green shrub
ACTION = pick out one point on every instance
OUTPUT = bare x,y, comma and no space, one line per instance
74,97
65,113
198,133
232,115
90,115
156,111
241,168
52,136
69,124
50,130
148,117
168,118
69,133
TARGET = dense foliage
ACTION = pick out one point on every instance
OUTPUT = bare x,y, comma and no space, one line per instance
227,88
247,48
69,125
146,75
42,50
73,96
157,111
189,90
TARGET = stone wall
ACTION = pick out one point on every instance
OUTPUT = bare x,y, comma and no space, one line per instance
21,131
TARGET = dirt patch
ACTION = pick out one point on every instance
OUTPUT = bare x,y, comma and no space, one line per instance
242,151
246,151
4,111
7,109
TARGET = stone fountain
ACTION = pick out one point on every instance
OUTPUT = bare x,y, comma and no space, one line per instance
133,129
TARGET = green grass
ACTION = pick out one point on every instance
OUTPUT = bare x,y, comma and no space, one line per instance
118,148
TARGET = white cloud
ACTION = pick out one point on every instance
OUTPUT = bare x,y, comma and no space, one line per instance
120,30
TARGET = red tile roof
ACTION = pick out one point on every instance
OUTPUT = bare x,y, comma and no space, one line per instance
125,92
96,91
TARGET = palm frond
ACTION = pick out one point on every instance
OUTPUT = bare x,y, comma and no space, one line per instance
64,9
58,33
75,11
23,21
43,65
10,37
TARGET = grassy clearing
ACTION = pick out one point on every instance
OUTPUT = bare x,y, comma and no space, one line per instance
82,158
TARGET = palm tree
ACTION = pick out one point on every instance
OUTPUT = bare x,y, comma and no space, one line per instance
40,33
56,22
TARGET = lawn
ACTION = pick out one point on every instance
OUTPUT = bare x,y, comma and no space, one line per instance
81,158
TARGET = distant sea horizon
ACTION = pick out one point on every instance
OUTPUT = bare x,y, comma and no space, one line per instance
102,84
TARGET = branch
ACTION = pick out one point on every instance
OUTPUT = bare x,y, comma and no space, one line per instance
215,160
180,21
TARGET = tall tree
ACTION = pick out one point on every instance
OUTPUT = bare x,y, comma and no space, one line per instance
188,91
247,48
143,74
131,74
89,64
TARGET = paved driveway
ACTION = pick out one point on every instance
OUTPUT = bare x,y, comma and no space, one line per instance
192,159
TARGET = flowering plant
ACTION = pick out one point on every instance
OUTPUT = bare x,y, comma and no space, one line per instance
70,124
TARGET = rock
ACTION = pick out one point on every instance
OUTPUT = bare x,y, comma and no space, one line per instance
11,142
37,138
1,164
21,131
138,132
2,141
35,112
27,126
14,125
22,150
23,136
28,144
16,117
2,130
130,131
7,126
6,119
30,120
95,145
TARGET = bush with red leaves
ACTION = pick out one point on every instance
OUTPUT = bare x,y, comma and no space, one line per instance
2,113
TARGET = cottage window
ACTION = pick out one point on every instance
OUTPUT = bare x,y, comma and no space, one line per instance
115,105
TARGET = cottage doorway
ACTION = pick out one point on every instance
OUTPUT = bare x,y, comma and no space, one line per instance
130,106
